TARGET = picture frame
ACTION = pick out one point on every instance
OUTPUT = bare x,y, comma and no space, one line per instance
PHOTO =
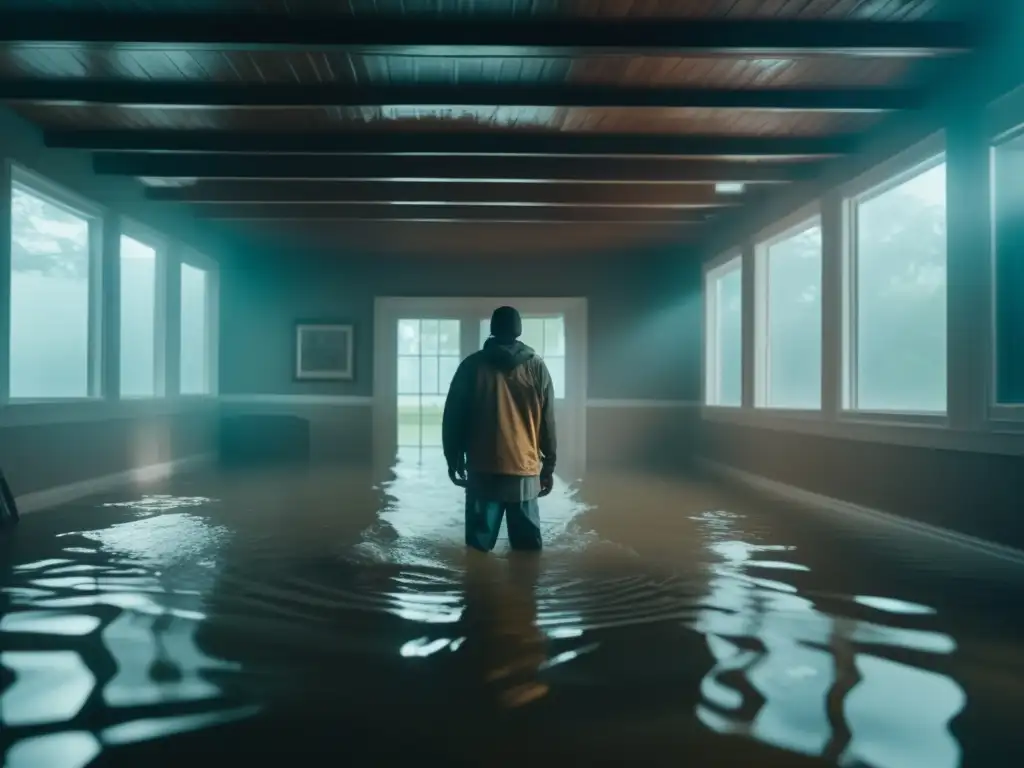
324,351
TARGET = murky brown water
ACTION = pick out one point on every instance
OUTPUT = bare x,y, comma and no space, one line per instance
309,612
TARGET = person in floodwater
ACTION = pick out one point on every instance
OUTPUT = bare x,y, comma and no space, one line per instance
499,436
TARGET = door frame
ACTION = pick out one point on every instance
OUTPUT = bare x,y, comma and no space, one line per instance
387,310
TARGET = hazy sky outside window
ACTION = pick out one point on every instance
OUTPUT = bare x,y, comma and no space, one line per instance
138,318
901,296
50,293
793,332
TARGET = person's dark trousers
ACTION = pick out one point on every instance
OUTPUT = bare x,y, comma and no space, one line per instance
483,523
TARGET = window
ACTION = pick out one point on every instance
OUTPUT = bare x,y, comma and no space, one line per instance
724,328
52,285
428,356
195,331
546,335
138,318
1008,206
789,323
897,323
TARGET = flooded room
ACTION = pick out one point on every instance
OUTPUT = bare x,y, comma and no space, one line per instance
502,383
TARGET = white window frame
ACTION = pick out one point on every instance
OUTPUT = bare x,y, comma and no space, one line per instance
58,196
881,179
153,239
198,260
794,224
714,271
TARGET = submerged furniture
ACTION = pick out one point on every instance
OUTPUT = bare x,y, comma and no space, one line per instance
8,507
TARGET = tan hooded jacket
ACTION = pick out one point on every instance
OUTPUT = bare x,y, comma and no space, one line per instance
499,413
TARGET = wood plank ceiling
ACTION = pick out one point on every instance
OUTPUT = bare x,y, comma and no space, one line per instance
444,125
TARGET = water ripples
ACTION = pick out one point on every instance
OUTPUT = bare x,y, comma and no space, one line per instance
190,612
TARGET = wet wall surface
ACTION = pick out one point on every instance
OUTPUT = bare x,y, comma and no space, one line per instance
324,613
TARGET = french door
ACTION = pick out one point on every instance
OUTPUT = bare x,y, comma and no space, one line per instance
419,343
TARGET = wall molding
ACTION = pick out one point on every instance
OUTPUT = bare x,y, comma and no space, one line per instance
818,501
362,401
28,413
64,494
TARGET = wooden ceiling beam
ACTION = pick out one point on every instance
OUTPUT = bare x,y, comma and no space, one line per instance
666,197
151,94
419,36
454,143
469,169
378,212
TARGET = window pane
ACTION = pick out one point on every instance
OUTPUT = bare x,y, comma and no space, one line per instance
556,367
449,343
428,337
729,338
428,375
408,375
408,420
901,296
408,337
138,319
554,336
49,299
431,413
194,331
793,335
1008,167
533,333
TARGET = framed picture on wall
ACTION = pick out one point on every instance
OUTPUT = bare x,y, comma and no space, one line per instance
323,352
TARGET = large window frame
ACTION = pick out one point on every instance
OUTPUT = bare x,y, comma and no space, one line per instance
726,264
795,224
161,246
1006,124
64,199
881,179
196,260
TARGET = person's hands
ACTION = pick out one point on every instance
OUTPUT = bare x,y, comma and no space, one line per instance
457,472
547,483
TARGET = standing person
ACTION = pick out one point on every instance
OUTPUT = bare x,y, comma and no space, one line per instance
499,436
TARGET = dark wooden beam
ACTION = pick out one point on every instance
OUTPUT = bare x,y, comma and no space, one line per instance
454,143
664,196
412,36
377,212
206,95
480,169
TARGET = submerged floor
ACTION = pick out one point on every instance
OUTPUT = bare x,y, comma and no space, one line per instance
669,621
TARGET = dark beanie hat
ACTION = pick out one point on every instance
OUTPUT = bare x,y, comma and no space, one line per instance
506,323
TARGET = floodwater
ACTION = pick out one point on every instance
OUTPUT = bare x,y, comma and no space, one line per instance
313,613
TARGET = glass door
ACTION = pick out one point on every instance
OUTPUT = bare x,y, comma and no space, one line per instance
427,356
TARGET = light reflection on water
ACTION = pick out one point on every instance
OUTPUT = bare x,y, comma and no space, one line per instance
157,624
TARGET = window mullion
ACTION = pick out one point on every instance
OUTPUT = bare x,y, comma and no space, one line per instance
106,294
5,280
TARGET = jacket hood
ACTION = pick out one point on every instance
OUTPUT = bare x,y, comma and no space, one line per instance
506,357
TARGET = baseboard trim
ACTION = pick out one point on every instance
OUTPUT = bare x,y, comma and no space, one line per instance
64,494
818,501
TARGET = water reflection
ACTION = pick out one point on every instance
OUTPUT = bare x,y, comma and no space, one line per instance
99,645
242,598
790,675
